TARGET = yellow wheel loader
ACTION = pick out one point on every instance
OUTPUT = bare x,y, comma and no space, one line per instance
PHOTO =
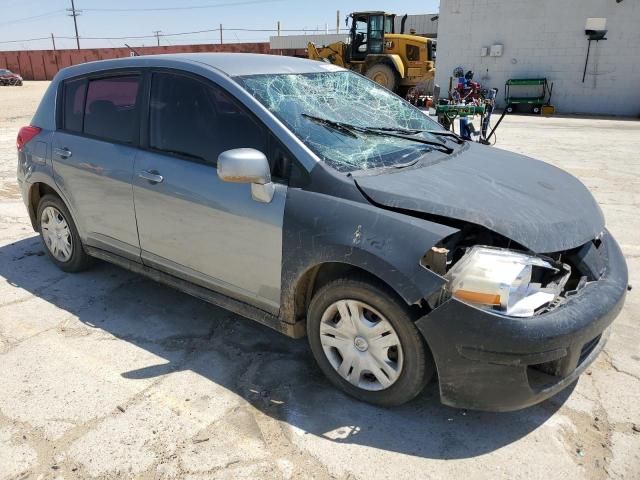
394,60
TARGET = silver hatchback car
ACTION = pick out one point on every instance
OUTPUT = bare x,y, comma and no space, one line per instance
310,199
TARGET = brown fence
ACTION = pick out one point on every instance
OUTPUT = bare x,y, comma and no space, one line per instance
44,64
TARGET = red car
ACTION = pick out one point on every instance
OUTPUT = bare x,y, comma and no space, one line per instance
7,77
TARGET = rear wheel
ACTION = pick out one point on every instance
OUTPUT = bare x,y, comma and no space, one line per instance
384,75
365,342
60,235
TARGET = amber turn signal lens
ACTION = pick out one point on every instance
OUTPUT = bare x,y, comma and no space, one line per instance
477,297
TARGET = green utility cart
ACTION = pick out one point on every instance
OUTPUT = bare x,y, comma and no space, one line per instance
463,110
532,102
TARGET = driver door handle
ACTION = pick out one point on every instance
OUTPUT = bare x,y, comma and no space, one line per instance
151,176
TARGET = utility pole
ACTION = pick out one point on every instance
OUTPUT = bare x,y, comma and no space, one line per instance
278,27
337,22
53,40
74,13
157,35
220,34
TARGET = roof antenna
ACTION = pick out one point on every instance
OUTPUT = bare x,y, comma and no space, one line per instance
133,51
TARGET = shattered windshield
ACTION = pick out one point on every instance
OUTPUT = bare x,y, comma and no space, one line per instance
350,122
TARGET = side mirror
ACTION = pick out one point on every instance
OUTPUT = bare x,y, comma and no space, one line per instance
247,165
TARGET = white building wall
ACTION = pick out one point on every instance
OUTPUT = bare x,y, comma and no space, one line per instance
545,38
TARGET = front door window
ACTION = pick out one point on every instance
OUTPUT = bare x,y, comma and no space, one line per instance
360,34
376,34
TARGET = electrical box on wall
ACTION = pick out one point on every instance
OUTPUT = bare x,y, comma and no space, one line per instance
598,23
496,50
484,51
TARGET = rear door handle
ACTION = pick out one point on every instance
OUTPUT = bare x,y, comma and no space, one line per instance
63,152
151,176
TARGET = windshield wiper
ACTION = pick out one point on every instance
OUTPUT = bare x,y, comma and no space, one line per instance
348,128
406,131
391,133
398,166
338,126
412,131
446,133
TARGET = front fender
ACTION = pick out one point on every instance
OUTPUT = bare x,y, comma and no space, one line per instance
320,228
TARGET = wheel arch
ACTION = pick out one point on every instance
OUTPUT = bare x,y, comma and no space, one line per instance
316,276
38,190
320,274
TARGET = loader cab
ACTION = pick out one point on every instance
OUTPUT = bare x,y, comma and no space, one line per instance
367,33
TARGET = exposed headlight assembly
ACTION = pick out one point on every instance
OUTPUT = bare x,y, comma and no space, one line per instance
511,282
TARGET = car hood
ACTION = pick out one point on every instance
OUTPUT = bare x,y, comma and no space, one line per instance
531,202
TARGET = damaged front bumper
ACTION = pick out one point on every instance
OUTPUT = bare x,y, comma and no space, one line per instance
489,361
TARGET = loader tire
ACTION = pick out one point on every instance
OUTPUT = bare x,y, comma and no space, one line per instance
383,75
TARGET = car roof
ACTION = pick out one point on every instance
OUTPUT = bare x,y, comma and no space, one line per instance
232,64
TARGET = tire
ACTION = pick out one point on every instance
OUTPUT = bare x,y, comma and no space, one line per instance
337,349
53,216
384,75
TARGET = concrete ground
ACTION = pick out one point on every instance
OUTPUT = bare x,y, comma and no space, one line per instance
105,374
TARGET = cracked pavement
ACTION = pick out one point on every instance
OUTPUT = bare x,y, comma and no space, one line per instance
106,374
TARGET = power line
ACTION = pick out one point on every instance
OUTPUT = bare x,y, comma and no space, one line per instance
33,17
125,37
157,34
191,7
25,40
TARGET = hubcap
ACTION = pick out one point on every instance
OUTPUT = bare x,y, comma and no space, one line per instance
56,234
361,345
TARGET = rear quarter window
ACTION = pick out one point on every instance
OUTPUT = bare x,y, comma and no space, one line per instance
74,94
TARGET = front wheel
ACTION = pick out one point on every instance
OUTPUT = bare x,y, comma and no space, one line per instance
365,342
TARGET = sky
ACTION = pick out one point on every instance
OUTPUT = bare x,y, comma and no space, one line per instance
22,20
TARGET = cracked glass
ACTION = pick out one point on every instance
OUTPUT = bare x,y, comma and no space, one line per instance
346,98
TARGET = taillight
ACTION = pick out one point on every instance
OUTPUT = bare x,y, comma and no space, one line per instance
25,135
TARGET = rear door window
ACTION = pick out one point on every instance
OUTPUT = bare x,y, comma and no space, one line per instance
111,108
199,120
